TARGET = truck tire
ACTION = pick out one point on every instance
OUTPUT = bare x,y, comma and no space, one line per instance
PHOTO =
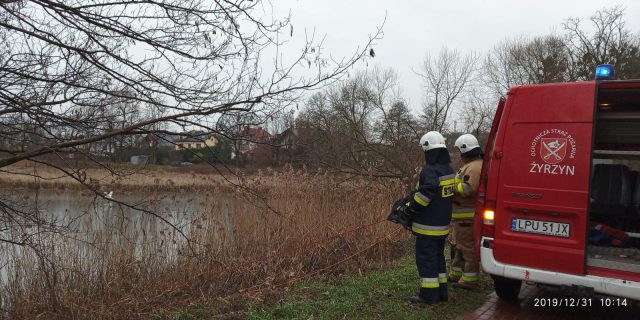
507,289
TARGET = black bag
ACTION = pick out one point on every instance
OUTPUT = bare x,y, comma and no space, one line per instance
610,189
635,194
399,213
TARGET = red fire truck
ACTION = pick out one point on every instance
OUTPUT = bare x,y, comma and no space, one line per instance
559,199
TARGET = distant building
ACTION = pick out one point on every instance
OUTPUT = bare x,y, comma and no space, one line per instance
161,140
295,146
251,138
196,140
253,145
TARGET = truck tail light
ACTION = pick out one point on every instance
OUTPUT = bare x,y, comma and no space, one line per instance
488,218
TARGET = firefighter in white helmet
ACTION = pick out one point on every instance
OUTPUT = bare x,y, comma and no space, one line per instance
431,205
464,267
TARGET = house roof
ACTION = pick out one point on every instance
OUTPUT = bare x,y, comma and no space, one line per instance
194,136
162,139
303,134
256,134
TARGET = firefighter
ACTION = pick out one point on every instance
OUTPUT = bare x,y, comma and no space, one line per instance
464,267
431,205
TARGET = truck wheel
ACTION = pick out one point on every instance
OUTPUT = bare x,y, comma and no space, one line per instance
507,289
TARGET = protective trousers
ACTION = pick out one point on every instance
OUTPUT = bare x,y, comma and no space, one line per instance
431,268
464,265
452,243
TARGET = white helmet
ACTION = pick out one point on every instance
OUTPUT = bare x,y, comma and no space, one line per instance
466,143
432,140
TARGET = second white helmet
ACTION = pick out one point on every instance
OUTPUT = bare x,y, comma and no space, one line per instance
466,143
432,140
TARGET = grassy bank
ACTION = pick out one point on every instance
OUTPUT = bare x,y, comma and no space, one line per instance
378,294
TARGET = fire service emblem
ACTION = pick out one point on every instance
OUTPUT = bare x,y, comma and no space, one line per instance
549,152
553,150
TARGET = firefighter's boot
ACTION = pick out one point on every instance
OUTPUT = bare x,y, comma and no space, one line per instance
467,282
418,300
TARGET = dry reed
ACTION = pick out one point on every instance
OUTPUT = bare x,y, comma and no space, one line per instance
288,225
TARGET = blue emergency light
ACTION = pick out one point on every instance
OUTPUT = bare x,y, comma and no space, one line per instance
605,72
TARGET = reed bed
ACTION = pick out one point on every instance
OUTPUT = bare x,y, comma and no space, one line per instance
283,227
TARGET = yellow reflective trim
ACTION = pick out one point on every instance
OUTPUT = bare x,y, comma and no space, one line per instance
430,232
442,280
447,191
469,278
417,185
462,215
430,284
447,182
460,188
419,200
448,187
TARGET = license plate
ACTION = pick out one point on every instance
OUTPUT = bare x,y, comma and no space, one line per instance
556,229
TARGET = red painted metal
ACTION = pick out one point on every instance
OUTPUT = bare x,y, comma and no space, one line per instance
615,274
481,204
544,143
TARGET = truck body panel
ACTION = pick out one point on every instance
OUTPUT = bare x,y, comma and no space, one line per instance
543,178
559,196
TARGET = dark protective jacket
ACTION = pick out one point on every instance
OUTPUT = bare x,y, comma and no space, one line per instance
432,200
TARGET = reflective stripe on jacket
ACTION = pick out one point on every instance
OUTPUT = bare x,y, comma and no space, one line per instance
432,200
429,230
463,213
466,185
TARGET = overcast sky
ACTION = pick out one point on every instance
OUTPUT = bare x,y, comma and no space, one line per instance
414,27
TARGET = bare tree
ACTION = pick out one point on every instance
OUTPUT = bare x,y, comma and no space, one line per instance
280,120
234,126
499,66
610,42
477,112
543,59
353,102
444,77
396,125
319,116
365,127
65,65
522,61
569,56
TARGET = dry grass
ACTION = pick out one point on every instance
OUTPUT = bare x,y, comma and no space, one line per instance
289,225
121,177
